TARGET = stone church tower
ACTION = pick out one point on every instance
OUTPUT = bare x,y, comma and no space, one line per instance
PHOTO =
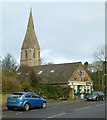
30,51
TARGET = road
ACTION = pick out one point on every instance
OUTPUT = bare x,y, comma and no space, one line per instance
65,109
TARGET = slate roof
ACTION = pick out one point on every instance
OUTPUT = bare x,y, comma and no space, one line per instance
56,73
30,40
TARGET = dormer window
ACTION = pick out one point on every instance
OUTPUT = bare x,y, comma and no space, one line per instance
52,71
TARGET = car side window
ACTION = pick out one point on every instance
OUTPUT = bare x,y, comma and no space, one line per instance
35,95
28,96
32,95
101,93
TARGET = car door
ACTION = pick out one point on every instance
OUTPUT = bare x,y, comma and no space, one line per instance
36,100
29,99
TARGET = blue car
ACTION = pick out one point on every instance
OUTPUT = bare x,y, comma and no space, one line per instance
25,100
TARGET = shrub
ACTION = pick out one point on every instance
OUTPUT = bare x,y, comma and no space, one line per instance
25,86
52,96
10,84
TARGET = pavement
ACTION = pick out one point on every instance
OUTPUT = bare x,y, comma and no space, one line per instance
58,102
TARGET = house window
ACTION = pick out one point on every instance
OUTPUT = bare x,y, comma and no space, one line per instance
81,73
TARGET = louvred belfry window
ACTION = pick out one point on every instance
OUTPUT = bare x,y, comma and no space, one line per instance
34,55
25,53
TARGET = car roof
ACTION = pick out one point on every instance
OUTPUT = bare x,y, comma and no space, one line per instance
23,92
97,91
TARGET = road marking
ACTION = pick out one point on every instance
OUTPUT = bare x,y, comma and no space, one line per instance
83,108
43,119
93,102
100,105
4,116
56,115
19,113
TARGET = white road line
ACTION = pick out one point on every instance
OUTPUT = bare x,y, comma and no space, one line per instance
43,119
100,105
4,116
56,115
77,109
83,108
19,113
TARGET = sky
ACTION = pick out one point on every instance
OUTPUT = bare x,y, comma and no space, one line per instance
66,31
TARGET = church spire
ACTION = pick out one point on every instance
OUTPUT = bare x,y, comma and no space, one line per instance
30,51
30,40
30,22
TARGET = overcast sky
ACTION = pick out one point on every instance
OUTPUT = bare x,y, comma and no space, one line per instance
66,31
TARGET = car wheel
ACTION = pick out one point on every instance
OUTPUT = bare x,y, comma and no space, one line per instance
27,107
44,105
103,98
97,98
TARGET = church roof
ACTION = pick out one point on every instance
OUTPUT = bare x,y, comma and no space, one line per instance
56,73
30,40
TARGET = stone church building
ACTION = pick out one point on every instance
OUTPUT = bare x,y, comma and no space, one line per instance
30,51
72,74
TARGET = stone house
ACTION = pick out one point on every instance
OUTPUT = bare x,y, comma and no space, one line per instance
70,74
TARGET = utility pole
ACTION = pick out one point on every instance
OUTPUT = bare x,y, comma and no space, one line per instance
105,55
105,84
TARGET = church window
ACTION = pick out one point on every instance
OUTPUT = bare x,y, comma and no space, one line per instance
34,55
25,53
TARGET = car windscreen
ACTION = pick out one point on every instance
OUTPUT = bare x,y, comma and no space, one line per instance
16,95
94,93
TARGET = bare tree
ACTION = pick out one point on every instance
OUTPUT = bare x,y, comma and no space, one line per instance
99,54
99,57
9,64
99,63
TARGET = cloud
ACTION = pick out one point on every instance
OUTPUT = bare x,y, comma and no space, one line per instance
61,59
65,31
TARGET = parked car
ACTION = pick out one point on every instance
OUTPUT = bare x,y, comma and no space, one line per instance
96,95
25,100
